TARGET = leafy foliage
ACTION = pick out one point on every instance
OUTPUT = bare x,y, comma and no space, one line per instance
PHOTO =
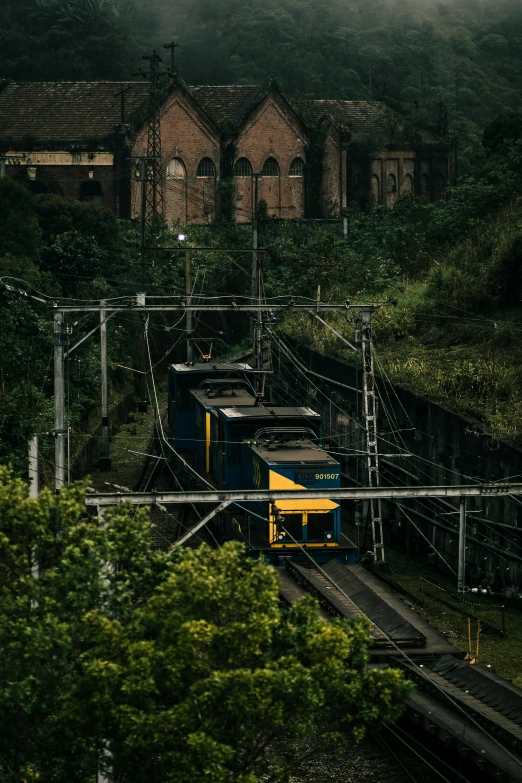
449,64
187,667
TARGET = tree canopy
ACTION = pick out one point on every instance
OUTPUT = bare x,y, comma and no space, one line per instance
440,61
184,667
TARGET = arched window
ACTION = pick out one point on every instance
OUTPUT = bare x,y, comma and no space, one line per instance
407,184
424,184
176,169
91,190
376,190
206,168
391,184
271,168
297,167
242,168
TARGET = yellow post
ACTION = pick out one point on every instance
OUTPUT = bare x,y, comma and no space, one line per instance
207,444
476,658
468,655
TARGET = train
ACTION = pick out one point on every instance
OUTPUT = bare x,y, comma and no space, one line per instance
224,436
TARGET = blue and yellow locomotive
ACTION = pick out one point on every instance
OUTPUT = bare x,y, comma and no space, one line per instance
220,428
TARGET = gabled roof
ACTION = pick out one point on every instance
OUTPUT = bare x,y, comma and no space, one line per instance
360,117
76,112
367,118
258,95
70,112
223,102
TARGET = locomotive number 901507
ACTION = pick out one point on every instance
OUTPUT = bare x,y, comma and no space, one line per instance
327,476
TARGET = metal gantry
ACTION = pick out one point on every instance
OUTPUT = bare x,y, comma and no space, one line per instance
272,495
154,179
370,429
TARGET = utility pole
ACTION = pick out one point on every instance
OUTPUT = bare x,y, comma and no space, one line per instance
34,488
188,286
260,383
254,273
34,467
370,426
121,95
105,460
154,190
173,45
457,108
59,403
462,547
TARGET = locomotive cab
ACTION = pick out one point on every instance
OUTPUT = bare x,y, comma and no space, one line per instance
291,458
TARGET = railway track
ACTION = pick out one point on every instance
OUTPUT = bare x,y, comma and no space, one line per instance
463,722
169,522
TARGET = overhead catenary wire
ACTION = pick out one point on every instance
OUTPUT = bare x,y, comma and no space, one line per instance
401,652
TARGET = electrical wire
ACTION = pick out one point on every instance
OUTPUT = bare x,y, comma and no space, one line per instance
401,652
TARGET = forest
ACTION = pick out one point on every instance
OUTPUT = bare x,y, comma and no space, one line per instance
454,63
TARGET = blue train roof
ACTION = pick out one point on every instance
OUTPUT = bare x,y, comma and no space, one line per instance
239,397
272,412
305,453
211,367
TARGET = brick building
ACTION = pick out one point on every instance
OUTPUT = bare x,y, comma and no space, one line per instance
76,138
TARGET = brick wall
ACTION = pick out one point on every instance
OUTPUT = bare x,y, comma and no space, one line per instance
188,136
272,131
332,161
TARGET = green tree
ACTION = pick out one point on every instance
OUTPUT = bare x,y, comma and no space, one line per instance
20,233
186,666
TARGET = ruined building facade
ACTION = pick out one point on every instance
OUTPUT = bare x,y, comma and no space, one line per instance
78,138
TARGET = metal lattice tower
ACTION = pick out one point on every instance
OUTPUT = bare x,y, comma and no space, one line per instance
154,173
370,425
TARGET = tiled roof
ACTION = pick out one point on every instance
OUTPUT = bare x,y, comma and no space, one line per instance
66,111
368,118
223,102
360,117
73,112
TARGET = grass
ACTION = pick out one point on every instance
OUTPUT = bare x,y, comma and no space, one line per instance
502,654
127,447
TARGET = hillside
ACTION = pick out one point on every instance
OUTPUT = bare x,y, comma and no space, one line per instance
449,64
454,333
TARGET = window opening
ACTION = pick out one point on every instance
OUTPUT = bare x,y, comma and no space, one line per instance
242,168
320,527
176,169
297,167
271,168
206,168
391,184
91,190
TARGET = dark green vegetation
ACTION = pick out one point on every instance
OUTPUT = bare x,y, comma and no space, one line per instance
448,64
53,247
45,40
455,269
436,600
186,666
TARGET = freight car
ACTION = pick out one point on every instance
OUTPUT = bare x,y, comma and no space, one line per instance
220,428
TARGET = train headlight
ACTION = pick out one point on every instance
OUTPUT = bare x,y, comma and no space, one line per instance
328,536
281,537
